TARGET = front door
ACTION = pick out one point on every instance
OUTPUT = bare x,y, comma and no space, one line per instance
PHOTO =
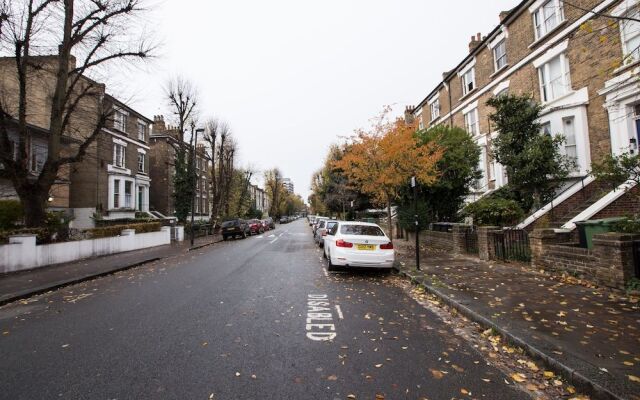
140,197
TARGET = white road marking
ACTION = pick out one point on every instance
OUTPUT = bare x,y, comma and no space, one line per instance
319,320
324,271
260,237
339,311
274,240
272,235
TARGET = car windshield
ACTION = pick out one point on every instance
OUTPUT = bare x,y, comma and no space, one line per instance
364,230
331,224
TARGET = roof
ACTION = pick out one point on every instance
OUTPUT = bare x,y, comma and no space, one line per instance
511,14
123,105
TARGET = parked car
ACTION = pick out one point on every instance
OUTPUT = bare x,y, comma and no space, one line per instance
284,219
268,224
312,219
358,244
323,229
234,228
316,224
255,227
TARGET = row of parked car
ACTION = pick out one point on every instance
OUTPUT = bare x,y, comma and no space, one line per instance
285,219
242,228
352,243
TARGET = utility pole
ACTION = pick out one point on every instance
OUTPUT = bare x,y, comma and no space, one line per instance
417,223
194,180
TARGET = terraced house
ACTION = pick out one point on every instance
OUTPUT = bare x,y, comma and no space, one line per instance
112,181
581,62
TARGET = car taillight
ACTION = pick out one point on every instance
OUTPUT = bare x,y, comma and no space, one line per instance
386,246
342,243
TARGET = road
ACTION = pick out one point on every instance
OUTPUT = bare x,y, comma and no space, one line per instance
230,322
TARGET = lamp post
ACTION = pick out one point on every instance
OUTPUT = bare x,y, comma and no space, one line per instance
417,224
194,180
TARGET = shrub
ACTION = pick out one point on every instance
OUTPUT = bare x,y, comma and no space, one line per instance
115,230
10,213
627,226
43,235
494,211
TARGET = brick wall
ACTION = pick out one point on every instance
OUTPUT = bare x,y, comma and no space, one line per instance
626,205
610,262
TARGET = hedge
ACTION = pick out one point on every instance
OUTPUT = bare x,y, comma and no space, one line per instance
115,230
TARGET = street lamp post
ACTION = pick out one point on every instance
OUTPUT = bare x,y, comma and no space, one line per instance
194,180
416,221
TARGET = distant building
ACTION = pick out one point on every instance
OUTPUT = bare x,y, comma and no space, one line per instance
288,184
164,143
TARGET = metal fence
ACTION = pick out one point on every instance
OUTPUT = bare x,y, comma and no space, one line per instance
512,244
471,241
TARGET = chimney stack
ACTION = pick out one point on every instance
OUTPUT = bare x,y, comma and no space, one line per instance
475,42
408,115
158,124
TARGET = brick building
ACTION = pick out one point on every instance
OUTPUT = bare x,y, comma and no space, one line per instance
164,142
582,68
259,198
112,180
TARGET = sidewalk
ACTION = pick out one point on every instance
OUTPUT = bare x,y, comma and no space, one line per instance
19,285
592,336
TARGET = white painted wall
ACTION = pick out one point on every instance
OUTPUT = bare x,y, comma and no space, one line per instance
22,253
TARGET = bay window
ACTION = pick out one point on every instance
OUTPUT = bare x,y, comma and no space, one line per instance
116,193
128,185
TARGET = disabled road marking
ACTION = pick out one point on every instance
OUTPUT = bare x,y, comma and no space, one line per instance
319,320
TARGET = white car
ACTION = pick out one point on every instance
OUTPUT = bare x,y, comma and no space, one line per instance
358,244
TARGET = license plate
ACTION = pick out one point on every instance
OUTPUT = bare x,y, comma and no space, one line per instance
366,247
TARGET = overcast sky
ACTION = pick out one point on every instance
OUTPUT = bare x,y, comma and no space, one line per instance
291,77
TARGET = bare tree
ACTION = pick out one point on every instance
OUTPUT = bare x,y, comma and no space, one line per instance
221,150
182,97
55,44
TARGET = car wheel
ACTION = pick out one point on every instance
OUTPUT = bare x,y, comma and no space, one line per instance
331,266
224,237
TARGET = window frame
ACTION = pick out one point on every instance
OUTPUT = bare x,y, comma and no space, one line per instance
142,130
547,87
120,120
128,196
116,193
141,162
476,122
116,153
540,18
626,53
502,43
434,109
471,73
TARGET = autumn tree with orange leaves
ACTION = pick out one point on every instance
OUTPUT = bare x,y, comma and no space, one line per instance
381,160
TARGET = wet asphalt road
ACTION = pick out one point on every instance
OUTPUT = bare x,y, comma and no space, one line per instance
230,322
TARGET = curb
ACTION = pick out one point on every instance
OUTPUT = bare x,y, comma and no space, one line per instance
204,245
575,378
86,278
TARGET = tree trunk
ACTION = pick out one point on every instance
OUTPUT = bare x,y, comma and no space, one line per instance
34,204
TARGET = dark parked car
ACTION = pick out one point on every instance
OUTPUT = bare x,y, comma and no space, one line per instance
284,219
234,228
268,224
255,227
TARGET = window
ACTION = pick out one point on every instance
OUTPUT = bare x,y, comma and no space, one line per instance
471,122
547,17
142,130
140,162
500,55
570,147
468,81
546,128
435,109
116,193
127,194
140,198
119,155
120,120
39,153
365,230
631,37
554,78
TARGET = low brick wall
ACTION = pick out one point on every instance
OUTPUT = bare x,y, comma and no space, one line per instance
435,239
610,263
